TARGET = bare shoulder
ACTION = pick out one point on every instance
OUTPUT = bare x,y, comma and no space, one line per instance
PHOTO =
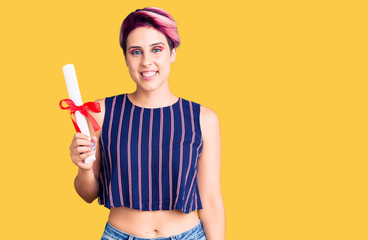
101,102
100,115
208,115
209,120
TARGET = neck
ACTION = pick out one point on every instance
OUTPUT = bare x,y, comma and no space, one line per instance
152,99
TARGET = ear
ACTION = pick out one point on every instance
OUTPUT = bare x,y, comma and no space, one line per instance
173,55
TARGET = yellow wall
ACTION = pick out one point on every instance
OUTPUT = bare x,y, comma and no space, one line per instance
288,80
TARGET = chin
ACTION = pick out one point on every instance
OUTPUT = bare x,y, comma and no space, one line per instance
149,87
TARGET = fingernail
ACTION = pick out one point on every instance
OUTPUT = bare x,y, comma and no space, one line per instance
93,148
93,144
89,138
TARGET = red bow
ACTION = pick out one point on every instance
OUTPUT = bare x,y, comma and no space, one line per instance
92,106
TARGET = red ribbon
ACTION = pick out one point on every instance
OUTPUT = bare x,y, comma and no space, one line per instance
92,106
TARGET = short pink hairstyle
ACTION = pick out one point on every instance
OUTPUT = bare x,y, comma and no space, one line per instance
150,17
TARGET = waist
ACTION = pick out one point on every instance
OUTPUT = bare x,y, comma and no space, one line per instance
151,224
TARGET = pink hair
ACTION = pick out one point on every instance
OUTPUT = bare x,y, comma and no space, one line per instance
152,17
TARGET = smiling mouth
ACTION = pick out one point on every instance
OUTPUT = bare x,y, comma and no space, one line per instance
148,74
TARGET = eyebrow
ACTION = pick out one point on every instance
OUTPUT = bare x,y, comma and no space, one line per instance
153,44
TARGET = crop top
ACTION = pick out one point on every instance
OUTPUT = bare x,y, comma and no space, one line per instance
150,156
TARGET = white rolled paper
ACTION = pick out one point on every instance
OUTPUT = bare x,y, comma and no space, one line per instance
74,94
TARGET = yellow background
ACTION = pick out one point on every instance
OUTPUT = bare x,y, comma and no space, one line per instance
288,80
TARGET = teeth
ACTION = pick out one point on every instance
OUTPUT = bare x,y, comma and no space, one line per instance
148,74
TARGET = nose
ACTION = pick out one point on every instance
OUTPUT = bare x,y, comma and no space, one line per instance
146,60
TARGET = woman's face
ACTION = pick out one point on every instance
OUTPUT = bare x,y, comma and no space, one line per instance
148,58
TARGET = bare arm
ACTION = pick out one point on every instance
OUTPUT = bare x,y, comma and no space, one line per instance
86,181
209,172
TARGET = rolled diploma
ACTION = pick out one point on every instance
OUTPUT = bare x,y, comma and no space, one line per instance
74,94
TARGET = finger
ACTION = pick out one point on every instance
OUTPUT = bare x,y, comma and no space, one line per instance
81,136
94,139
85,155
78,158
83,142
79,150
78,144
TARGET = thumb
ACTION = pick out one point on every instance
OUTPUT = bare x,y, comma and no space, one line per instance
94,139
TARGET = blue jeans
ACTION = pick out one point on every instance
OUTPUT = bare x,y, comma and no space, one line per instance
112,233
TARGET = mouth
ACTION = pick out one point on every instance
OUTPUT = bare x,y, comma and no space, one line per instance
148,74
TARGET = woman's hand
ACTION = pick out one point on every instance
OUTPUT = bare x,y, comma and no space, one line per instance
82,147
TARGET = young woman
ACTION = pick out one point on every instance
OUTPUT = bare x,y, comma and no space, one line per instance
158,156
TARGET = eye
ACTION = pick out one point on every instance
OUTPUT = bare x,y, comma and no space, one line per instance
136,52
157,50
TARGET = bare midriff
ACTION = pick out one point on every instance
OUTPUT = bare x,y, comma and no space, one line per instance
151,224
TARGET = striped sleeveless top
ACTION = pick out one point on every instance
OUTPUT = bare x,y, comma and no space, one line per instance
150,156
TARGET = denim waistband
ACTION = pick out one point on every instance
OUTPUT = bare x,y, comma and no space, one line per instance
179,236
